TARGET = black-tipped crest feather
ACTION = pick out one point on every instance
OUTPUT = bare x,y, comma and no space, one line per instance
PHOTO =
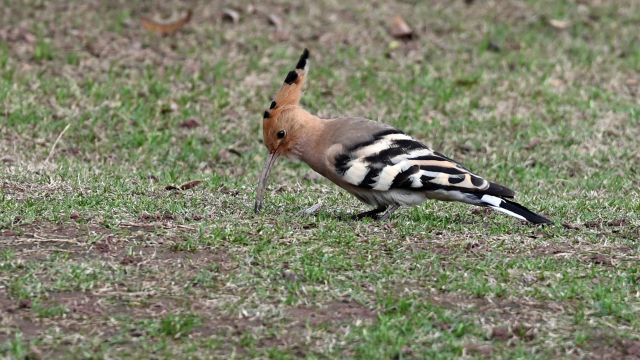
302,63
291,77
289,93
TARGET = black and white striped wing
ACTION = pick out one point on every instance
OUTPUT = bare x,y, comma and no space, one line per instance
394,160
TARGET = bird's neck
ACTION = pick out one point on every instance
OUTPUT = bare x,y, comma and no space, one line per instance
309,141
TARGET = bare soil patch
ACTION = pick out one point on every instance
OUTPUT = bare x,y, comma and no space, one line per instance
39,240
332,313
603,346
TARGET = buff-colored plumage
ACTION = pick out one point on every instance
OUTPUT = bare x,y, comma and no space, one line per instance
378,164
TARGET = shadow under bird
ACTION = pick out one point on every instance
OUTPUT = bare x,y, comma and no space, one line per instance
376,163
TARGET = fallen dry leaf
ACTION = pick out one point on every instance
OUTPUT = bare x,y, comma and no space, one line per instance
235,152
29,38
289,275
593,224
224,155
478,349
190,123
556,83
190,184
24,304
493,46
500,333
275,21
230,15
570,226
533,143
165,28
400,29
559,24
617,222
7,160
481,211
250,9
281,35
600,260
466,81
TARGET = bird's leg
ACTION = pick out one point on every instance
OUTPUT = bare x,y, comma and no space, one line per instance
390,211
372,214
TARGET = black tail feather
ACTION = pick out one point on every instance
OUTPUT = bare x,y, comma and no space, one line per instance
529,215
508,207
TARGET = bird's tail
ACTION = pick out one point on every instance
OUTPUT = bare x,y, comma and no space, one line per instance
291,91
510,208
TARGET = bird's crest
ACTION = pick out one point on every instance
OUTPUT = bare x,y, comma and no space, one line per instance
291,91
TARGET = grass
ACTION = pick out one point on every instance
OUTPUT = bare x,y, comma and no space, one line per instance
99,259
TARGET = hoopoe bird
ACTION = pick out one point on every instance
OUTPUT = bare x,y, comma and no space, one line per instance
378,164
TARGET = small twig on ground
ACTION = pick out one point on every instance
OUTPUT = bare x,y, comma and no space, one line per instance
38,238
187,227
138,225
311,210
27,251
55,143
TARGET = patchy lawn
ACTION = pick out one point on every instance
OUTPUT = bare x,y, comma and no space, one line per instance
102,254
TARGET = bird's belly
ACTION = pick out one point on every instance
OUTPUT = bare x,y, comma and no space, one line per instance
447,195
374,197
390,197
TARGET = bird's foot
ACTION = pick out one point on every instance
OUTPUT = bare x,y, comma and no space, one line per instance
387,214
371,214
375,214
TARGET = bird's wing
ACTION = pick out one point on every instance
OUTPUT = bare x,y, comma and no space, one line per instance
390,159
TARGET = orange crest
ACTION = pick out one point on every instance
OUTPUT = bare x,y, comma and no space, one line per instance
277,124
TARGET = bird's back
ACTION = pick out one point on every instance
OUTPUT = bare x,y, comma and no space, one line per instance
375,156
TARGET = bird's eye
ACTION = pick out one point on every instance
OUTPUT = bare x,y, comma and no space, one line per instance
281,134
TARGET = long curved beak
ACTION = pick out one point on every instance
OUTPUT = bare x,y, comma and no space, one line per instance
262,182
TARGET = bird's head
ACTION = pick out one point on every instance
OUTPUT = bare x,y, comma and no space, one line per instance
282,131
